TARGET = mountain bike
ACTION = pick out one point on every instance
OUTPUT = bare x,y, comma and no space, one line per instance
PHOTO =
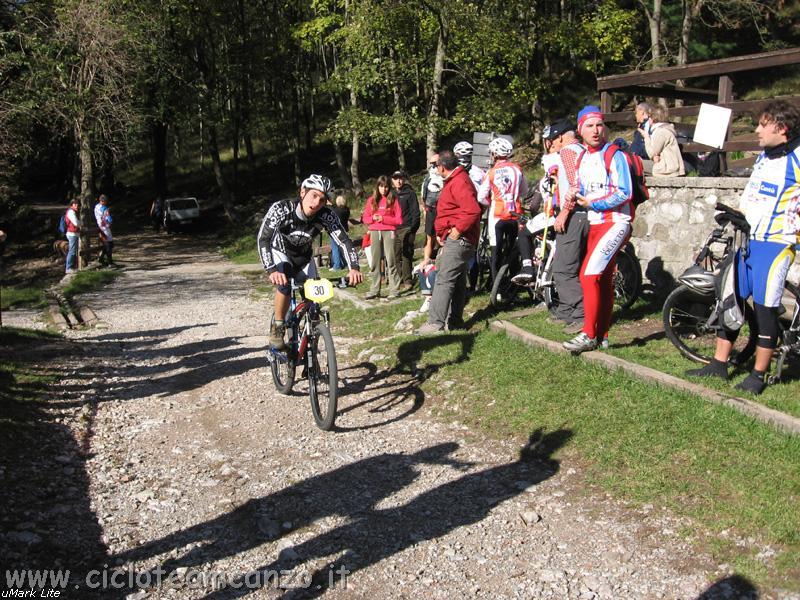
691,311
310,343
480,274
627,272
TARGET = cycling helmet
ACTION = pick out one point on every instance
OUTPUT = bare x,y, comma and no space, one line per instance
462,149
501,147
697,279
318,182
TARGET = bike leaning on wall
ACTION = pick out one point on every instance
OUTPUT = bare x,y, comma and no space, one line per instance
692,311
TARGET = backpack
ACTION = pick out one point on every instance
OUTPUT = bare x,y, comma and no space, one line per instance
62,224
640,193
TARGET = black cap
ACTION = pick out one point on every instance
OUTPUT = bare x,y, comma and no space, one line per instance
398,175
557,128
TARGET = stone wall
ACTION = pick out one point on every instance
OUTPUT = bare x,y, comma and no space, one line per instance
670,228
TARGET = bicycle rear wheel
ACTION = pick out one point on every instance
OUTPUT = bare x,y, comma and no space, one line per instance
323,378
282,368
685,318
627,280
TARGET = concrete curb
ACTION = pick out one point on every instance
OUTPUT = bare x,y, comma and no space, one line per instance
760,412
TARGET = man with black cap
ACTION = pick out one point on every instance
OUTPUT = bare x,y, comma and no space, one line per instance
571,225
406,233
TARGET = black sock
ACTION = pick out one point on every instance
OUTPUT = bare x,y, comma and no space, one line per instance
753,383
715,368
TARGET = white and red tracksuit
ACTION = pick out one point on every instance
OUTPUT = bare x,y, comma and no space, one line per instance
610,215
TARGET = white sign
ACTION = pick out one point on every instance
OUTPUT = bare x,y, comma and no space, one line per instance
712,125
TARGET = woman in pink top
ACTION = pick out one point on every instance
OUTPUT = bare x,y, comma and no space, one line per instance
383,215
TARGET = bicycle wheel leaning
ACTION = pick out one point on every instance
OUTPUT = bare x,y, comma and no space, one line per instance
323,378
685,317
282,368
627,280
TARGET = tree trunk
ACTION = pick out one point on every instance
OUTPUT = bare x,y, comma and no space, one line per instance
357,187
224,190
401,156
87,195
691,10
158,130
342,167
436,92
251,155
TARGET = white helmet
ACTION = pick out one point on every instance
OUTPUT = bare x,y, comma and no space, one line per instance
318,182
501,147
462,149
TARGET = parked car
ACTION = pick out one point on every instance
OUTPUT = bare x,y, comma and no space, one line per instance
180,213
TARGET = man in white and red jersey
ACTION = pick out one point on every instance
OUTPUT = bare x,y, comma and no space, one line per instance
502,191
606,194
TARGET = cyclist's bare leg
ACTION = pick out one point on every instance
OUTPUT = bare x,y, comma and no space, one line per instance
763,358
281,305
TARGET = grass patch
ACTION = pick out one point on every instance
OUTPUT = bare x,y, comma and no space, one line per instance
31,297
88,281
241,249
736,477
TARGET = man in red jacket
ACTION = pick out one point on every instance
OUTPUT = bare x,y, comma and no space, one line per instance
457,228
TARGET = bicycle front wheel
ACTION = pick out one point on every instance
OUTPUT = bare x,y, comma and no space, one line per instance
323,378
686,315
627,280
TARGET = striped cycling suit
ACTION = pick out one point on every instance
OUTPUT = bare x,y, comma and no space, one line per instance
610,214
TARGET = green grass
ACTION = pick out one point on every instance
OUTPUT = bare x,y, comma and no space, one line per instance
241,249
32,297
643,442
88,281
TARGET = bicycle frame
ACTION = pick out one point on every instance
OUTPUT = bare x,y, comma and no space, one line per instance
299,341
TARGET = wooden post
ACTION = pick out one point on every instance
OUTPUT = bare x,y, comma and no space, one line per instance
605,102
724,95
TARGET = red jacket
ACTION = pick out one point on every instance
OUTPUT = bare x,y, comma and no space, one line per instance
392,218
458,207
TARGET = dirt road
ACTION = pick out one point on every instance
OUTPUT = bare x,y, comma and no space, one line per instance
179,467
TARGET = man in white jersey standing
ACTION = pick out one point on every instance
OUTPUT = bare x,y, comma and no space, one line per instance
770,202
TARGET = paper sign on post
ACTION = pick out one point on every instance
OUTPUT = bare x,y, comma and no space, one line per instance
712,125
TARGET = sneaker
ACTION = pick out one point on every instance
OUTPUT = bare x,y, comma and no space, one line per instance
429,329
71,271
580,343
393,296
716,368
426,304
603,345
573,327
276,333
753,383
370,295
524,277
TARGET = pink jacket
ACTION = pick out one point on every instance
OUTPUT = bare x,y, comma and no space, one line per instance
392,218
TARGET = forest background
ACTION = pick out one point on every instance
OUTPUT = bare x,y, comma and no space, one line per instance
257,93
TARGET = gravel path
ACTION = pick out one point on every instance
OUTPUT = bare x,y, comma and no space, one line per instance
190,464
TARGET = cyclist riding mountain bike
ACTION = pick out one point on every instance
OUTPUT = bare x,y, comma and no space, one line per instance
285,244
607,195
771,204
502,191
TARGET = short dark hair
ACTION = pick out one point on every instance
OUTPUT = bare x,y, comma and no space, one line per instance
448,160
783,114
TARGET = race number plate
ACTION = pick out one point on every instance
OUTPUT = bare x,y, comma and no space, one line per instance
318,290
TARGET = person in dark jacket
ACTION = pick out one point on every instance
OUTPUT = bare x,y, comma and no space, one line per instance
457,226
407,232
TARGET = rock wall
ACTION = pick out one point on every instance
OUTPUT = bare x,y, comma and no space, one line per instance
672,226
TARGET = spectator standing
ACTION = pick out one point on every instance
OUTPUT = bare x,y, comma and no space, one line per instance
771,204
431,189
406,233
157,213
463,152
642,115
102,216
457,229
662,147
502,190
606,194
73,233
382,214
343,212
571,226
